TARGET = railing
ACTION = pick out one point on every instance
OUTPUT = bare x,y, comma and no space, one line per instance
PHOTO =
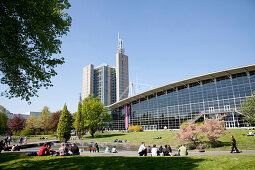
215,111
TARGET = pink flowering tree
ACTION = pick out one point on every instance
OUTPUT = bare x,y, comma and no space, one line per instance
213,129
189,132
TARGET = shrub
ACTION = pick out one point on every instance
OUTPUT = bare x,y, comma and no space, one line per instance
16,133
138,128
26,132
131,128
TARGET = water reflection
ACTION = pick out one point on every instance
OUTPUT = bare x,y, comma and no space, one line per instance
81,144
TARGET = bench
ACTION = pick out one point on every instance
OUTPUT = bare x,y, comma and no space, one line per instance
90,148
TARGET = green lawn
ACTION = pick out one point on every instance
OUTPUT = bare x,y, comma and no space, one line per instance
168,137
49,137
15,161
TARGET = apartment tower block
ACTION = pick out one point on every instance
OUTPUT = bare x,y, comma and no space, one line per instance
106,82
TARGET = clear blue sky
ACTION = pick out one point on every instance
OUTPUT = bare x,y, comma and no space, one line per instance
166,41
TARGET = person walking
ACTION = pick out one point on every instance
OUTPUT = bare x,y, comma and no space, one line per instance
97,147
233,143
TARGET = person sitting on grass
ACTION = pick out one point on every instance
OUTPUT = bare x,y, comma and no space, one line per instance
114,150
75,149
166,151
6,148
154,151
149,150
44,150
1,145
201,149
107,149
182,151
63,150
49,149
142,151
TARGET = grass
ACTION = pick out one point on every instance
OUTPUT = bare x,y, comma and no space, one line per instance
168,137
16,161
49,137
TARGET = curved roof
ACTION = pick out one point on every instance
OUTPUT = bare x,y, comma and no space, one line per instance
226,72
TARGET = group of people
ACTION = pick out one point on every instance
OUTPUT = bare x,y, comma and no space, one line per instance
95,146
108,150
4,144
154,151
64,150
21,139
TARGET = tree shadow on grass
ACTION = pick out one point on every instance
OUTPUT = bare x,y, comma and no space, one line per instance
103,162
104,136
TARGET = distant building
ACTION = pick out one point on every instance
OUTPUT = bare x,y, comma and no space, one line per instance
88,81
30,113
101,82
122,76
210,95
106,82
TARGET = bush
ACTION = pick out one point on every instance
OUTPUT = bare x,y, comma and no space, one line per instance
26,132
136,128
131,128
214,145
191,146
16,133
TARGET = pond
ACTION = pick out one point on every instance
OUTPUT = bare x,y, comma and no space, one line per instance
102,145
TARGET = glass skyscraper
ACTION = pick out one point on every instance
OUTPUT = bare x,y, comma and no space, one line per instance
195,99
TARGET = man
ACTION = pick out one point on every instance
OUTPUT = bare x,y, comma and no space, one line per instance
142,150
154,151
166,151
233,143
43,150
75,149
97,147
183,151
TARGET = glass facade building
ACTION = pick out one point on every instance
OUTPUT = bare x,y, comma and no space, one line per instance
195,99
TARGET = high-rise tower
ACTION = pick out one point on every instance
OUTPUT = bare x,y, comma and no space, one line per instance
88,81
122,77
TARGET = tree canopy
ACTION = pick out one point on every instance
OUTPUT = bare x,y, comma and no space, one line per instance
94,114
30,32
248,109
64,125
53,122
44,118
17,123
3,120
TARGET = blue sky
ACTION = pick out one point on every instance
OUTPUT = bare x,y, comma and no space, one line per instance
166,41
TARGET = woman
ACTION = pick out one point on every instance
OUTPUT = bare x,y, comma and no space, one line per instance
114,150
62,150
107,149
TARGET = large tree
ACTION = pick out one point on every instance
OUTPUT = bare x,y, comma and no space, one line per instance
94,113
53,122
248,109
78,120
44,118
16,124
30,35
3,120
64,125
31,122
